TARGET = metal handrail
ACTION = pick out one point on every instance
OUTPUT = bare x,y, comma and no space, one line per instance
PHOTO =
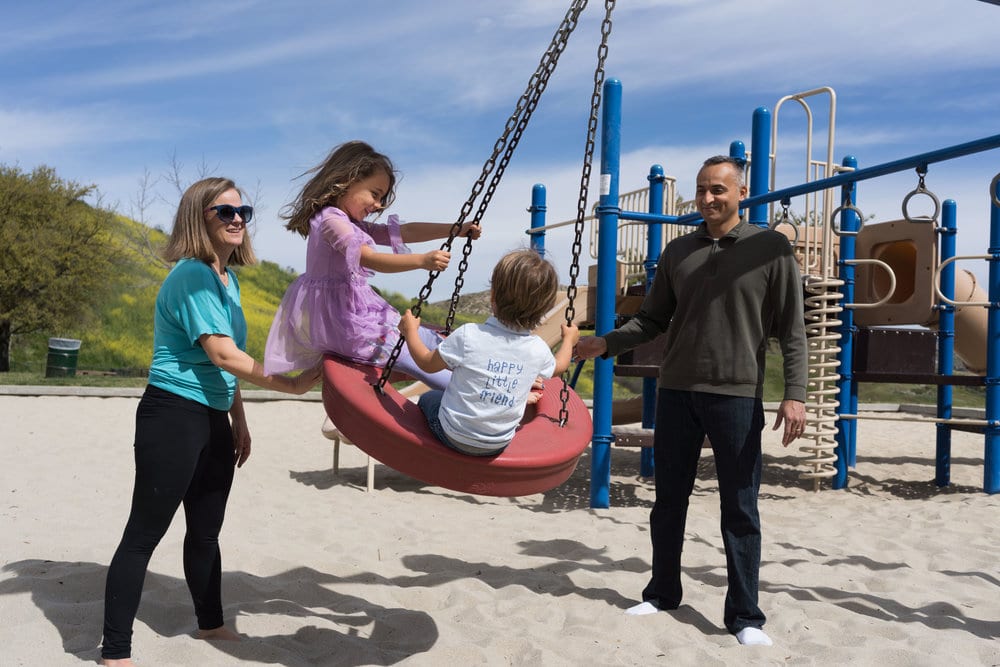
892,283
937,281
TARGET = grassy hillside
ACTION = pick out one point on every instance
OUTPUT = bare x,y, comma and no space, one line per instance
119,336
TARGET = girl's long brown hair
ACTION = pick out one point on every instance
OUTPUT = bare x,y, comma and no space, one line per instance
346,164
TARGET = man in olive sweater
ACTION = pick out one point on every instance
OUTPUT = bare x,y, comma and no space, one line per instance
719,293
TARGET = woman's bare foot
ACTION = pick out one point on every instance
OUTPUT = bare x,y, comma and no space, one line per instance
221,632
121,662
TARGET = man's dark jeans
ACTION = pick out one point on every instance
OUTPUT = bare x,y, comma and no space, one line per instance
733,425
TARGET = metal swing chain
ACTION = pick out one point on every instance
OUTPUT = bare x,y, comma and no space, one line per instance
581,205
526,105
515,125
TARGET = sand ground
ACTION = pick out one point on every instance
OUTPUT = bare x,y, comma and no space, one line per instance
891,571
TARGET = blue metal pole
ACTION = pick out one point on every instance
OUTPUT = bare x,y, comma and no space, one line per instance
760,168
654,232
738,150
946,343
537,211
654,241
607,251
991,463
846,436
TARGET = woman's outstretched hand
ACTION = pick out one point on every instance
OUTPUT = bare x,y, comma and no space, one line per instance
307,379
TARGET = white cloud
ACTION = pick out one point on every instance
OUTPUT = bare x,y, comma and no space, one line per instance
35,132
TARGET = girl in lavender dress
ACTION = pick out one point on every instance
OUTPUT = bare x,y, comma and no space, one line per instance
331,308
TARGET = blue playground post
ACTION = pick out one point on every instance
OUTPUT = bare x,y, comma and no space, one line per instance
537,210
991,463
738,150
654,240
760,167
946,343
850,223
847,395
607,250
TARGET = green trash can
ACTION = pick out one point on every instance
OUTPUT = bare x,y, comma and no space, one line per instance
61,361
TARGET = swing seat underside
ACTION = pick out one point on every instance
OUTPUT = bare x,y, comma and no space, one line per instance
392,429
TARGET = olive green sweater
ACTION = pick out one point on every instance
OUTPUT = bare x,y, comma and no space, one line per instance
720,302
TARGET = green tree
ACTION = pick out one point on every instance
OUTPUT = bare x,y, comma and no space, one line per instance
56,254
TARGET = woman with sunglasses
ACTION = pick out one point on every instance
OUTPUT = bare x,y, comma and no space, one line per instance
331,308
191,432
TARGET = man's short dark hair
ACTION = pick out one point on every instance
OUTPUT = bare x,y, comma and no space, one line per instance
739,166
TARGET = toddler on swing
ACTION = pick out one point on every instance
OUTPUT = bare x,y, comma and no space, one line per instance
493,365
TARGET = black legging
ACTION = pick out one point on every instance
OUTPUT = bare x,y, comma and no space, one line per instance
183,453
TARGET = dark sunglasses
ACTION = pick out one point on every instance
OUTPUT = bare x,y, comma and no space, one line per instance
227,213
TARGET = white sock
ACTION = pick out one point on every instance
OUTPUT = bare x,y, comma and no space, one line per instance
753,637
642,609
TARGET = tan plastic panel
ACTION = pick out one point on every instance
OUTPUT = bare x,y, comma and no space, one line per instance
911,250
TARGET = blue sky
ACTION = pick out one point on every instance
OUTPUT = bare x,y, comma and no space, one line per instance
107,91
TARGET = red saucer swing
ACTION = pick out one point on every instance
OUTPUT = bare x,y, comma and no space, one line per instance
393,430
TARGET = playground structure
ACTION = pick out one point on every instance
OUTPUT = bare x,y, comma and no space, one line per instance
826,242
858,280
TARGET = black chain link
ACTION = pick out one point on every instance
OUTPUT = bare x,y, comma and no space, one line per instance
526,107
581,204
514,128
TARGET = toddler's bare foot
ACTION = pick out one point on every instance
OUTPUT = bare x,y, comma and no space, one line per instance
533,397
221,632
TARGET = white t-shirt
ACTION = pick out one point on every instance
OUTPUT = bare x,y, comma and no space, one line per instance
493,368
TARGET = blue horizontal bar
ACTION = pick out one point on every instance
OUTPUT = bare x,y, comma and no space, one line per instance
912,162
651,218
902,164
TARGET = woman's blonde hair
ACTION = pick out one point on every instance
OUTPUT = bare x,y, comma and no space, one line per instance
346,164
524,288
189,237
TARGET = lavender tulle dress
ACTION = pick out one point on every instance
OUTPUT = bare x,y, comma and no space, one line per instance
331,308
